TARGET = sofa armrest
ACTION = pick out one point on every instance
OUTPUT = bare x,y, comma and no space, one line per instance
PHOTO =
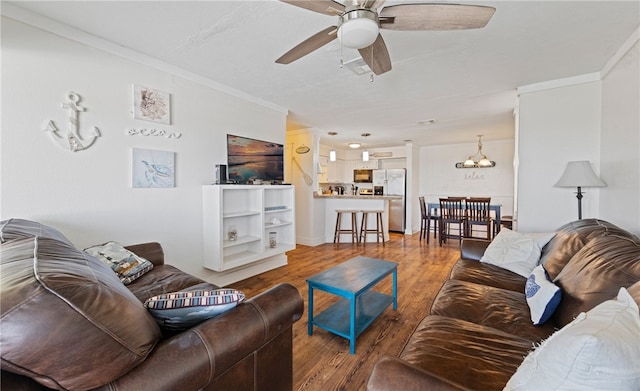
194,358
393,374
151,251
473,249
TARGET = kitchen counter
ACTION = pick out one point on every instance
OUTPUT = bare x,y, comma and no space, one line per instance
358,197
327,204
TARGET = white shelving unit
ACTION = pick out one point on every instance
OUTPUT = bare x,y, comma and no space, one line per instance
252,212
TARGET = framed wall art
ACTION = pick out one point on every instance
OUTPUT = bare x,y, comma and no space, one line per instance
152,168
151,105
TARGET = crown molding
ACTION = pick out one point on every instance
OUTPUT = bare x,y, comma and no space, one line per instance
589,77
21,15
626,46
559,83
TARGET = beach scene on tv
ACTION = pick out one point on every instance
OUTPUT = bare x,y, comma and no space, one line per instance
249,160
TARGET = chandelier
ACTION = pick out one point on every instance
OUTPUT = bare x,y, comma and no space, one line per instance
483,160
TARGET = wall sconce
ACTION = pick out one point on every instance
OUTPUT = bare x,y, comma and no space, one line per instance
483,162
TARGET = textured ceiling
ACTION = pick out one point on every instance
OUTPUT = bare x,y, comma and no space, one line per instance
465,80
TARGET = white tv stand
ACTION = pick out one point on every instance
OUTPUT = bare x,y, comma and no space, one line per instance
253,211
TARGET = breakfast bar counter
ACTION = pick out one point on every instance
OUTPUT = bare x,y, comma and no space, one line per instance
327,204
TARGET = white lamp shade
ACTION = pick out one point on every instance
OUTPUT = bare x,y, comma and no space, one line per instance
579,174
332,155
365,156
358,33
484,162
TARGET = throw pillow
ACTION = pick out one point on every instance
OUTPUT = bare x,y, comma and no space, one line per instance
543,296
123,262
599,350
517,252
182,310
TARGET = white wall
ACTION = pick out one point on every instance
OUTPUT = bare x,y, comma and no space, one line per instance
88,194
308,211
593,117
620,142
557,125
440,178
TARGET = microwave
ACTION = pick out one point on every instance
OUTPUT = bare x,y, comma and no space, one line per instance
363,176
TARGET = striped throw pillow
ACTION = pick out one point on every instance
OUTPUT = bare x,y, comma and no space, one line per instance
185,309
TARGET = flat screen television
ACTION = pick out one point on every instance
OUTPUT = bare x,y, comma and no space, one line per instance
249,159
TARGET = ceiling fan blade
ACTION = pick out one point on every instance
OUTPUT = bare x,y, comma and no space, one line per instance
310,44
327,7
376,56
436,16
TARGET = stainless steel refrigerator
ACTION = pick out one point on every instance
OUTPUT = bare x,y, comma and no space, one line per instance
393,181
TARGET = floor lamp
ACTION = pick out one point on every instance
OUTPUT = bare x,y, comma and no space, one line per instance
579,174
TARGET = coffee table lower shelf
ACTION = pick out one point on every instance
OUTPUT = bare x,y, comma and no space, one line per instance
338,318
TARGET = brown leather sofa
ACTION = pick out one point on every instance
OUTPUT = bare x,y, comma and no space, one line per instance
479,329
67,322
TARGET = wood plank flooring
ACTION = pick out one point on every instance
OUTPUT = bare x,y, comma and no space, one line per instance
322,362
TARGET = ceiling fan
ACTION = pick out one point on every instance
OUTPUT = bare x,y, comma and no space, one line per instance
359,23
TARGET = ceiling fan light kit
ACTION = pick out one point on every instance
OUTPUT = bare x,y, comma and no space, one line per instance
358,28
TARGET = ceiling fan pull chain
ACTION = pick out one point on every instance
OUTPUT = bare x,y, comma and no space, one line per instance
371,76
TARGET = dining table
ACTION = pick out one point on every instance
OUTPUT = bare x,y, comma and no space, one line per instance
492,207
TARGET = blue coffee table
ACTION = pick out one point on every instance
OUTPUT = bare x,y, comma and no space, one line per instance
359,306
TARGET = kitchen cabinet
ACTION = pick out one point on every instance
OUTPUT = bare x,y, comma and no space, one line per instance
341,171
372,164
347,173
335,171
237,222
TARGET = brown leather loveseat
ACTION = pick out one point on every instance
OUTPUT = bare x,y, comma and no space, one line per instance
479,327
68,322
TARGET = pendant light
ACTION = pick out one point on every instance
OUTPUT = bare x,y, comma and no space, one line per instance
332,152
365,153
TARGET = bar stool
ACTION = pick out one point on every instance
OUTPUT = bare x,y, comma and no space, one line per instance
352,230
379,231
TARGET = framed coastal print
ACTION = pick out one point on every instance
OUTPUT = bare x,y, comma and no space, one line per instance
152,168
151,105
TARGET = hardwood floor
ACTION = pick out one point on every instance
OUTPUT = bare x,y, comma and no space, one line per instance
322,362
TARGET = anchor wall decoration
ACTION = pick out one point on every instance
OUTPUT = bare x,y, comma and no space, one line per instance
73,139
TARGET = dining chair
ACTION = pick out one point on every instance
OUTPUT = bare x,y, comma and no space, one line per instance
451,214
478,213
426,219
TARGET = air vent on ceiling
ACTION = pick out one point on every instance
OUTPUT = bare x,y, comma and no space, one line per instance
357,66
